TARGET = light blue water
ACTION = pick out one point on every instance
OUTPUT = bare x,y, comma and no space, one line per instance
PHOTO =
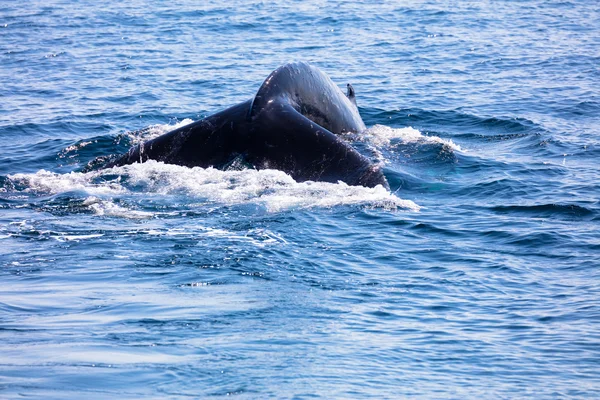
477,276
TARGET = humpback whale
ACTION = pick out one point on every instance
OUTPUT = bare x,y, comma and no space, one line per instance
294,124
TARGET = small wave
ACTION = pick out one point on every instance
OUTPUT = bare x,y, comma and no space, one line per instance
582,108
456,121
272,189
381,135
547,210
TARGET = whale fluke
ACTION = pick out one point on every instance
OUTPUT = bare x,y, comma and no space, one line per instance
294,124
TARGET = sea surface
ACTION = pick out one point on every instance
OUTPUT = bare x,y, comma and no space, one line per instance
476,276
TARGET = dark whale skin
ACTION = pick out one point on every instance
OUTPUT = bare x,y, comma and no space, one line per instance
292,124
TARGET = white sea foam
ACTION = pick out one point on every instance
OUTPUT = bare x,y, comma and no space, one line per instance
76,238
76,147
257,237
53,183
109,208
381,136
155,131
272,189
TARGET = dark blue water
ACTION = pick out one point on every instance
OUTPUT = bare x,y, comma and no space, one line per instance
477,276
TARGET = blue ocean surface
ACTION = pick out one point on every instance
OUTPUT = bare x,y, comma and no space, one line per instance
477,275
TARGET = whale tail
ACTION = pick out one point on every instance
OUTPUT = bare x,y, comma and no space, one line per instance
291,142
310,92
294,124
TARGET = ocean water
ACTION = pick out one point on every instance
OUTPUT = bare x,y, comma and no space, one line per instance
476,276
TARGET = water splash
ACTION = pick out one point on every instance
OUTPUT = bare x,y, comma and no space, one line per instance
382,136
154,131
271,189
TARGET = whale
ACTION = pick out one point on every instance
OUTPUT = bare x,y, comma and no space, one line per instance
297,122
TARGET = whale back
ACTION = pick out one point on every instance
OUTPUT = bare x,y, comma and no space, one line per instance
311,93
